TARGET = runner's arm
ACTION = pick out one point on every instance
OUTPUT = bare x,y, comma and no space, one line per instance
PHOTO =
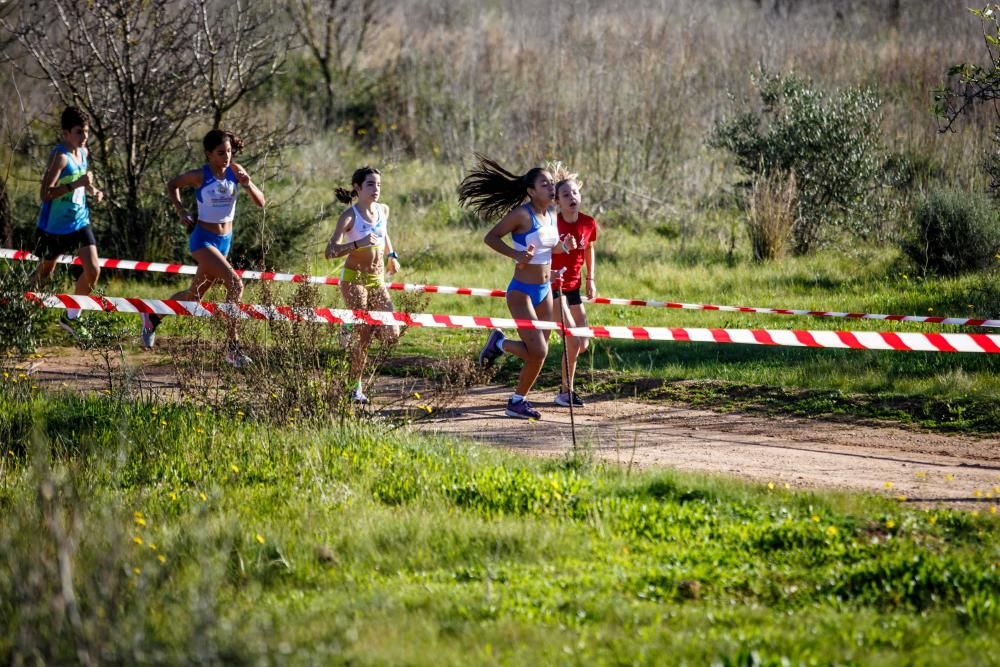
49,189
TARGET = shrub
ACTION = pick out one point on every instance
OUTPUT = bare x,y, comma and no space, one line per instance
830,141
772,213
953,232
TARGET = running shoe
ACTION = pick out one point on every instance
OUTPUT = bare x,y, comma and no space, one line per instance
236,357
521,410
346,330
564,398
75,328
490,351
358,397
148,332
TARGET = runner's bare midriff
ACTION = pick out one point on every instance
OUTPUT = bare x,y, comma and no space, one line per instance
218,228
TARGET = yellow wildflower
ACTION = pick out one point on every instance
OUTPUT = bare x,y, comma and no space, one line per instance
137,540
259,538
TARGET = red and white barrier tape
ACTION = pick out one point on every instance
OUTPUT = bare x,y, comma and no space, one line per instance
856,340
482,291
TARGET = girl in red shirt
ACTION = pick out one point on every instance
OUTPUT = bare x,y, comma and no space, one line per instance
566,293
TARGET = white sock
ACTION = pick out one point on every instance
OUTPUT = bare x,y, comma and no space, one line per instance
72,313
516,398
500,342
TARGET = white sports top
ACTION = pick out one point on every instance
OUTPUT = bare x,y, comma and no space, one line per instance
543,235
217,198
362,227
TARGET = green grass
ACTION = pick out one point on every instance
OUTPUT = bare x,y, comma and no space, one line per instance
198,537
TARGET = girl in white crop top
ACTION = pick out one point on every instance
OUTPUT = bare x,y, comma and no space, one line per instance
362,235
524,206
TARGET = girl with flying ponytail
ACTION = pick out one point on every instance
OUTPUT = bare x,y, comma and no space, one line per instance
524,205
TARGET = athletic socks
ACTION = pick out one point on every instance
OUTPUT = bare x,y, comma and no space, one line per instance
516,398
72,313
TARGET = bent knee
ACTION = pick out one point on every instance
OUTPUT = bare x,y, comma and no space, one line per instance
538,351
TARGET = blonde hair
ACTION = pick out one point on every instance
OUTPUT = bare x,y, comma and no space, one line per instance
561,174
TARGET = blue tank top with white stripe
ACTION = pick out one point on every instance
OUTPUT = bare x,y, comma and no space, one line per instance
543,235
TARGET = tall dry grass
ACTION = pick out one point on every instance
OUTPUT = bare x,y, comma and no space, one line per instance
772,213
626,91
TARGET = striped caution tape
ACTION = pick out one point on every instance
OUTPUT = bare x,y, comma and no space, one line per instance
481,291
854,340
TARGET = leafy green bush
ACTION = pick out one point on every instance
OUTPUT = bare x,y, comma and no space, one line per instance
830,141
953,232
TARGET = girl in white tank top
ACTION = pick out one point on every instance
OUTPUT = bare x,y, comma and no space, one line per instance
362,236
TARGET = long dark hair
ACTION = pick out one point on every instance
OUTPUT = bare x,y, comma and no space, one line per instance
492,191
346,196
214,138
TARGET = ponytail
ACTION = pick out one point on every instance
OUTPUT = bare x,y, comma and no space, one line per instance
492,191
346,196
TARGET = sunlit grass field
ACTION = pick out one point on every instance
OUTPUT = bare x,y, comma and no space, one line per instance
192,535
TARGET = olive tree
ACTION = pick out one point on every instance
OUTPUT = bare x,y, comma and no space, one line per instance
830,141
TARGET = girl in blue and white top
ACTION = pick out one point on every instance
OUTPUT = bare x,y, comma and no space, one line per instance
216,185
362,234
526,204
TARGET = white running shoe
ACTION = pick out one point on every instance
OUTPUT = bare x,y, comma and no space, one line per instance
236,357
148,332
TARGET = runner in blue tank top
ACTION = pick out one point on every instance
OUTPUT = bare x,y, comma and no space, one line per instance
64,219
216,186
525,202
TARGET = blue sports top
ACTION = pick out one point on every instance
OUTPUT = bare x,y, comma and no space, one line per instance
362,227
66,214
217,198
543,236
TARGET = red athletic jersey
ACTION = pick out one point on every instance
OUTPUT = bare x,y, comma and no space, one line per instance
584,230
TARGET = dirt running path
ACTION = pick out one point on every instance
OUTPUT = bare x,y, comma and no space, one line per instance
804,453
924,467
